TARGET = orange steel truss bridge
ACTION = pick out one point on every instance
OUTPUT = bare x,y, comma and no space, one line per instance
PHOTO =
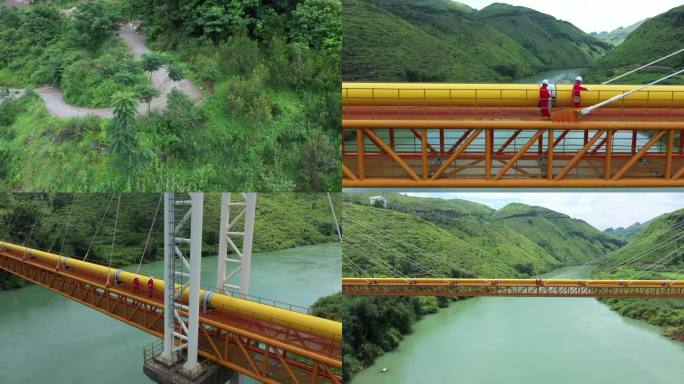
269,343
513,287
492,135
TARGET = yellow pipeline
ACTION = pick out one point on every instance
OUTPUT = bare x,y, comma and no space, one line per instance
502,95
314,325
512,282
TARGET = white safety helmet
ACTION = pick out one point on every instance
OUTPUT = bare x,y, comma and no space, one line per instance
546,81
578,78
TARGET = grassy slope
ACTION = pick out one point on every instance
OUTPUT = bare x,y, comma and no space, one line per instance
429,41
441,40
657,242
571,241
492,252
555,42
655,38
618,35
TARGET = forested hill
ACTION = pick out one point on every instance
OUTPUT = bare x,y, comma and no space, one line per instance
556,43
443,40
658,249
627,233
618,35
517,240
571,241
283,220
655,38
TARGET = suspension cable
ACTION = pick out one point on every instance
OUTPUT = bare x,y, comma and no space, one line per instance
149,233
337,224
111,252
66,228
640,256
588,110
427,254
660,262
644,66
629,245
99,226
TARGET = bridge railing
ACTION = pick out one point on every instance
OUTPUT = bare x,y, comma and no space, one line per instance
507,102
152,350
261,300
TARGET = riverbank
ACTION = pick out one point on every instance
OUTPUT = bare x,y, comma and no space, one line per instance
668,314
516,331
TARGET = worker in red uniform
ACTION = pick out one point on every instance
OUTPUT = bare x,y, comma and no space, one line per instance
545,99
576,92
150,286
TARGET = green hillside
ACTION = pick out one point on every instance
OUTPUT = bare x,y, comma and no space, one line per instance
486,250
571,241
442,40
655,38
657,252
556,43
283,220
267,74
618,35
412,204
627,233
658,248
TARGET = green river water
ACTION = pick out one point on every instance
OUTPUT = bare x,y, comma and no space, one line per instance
46,338
530,340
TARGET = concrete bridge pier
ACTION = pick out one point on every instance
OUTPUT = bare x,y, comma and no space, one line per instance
166,372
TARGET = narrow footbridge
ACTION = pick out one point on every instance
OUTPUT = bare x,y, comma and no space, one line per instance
513,287
492,135
268,343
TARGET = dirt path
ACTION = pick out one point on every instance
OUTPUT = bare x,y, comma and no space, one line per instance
135,41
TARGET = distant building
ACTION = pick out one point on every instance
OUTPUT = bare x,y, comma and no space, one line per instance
378,201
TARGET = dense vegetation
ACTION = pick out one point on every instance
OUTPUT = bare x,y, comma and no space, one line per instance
454,238
569,240
443,40
618,35
655,38
76,224
556,43
268,71
657,252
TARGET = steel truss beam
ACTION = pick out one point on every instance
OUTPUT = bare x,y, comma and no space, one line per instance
549,156
513,288
266,352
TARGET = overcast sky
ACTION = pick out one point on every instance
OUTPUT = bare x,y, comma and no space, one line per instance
602,210
592,15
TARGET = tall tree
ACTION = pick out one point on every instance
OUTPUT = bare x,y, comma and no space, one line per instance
122,131
92,25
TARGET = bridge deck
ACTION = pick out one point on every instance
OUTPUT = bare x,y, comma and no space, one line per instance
513,287
264,349
493,135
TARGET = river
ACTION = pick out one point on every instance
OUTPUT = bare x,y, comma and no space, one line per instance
46,338
530,340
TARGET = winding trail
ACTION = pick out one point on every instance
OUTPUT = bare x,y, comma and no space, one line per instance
135,41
